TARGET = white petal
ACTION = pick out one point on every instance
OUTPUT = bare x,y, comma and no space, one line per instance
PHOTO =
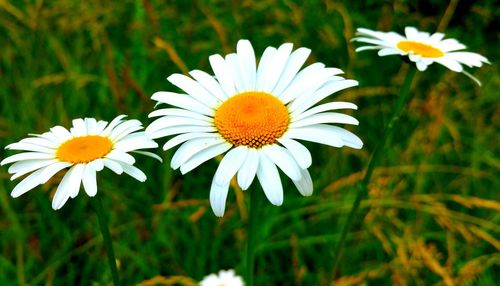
230,164
27,184
234,67
149,154
209,83
121,157
96,165
24,167
262,69
79,127
296,86
172,121
421,66
134,172
411,33
70,184
283,159
314,134
276,66
29,147
40,142
89,181
223,74
299,152
117,120
194,89
50,171
187,136
248,169
388,52
218,195
124,129
133,144
113,166
325,117
179,112
305,184
182,101
293,65
269,178
325,107
179,129
91,125
100,126
203,156
247,65
192,147
61,133
450,63
26,156
297,107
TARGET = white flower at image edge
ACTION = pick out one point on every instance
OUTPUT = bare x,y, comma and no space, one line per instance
257,114
225,278
85,149
421,48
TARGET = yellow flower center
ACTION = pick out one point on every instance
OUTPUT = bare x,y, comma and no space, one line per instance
252,118
423,50
84,149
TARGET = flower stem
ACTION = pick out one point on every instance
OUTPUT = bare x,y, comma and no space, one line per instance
363,185
251,235
103,224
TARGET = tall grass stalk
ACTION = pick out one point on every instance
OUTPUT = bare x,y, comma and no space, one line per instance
108,244
374,160
251,236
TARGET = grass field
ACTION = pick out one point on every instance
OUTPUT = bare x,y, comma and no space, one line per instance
432,213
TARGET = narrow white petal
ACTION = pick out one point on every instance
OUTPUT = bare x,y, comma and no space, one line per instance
388,52
69,186
29,147
421,66
132,144
293,65
299,152
91,125
194,89
179,129
79,127
89,181
223,74
305,184
247,63
61,133
209,83
40,142
26,156
234,67
112,125
269,178
134,172
450,63
283,159
179,112
411,33
149,154
230,164
325,117
24,167
314,134
172,121
27,184
248,169
190,148
325,107
100,126
124,129
50,171
187,136
121,157
113,166
276,66
203,156
218,195
263,67
182,101
96,165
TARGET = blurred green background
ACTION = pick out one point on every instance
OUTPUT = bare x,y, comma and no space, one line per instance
432,214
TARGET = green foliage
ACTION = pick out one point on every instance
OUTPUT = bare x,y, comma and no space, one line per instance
432,212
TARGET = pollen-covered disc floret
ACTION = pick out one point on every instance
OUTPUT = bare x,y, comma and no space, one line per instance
257,114
85,149
253,119
421,48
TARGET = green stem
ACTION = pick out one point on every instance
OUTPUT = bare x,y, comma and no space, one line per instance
103,224
375,157
251,235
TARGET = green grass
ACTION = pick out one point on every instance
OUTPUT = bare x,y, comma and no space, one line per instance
432,214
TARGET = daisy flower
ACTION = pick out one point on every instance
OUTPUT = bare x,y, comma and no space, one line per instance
257,114
225,278
85,149
421,48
